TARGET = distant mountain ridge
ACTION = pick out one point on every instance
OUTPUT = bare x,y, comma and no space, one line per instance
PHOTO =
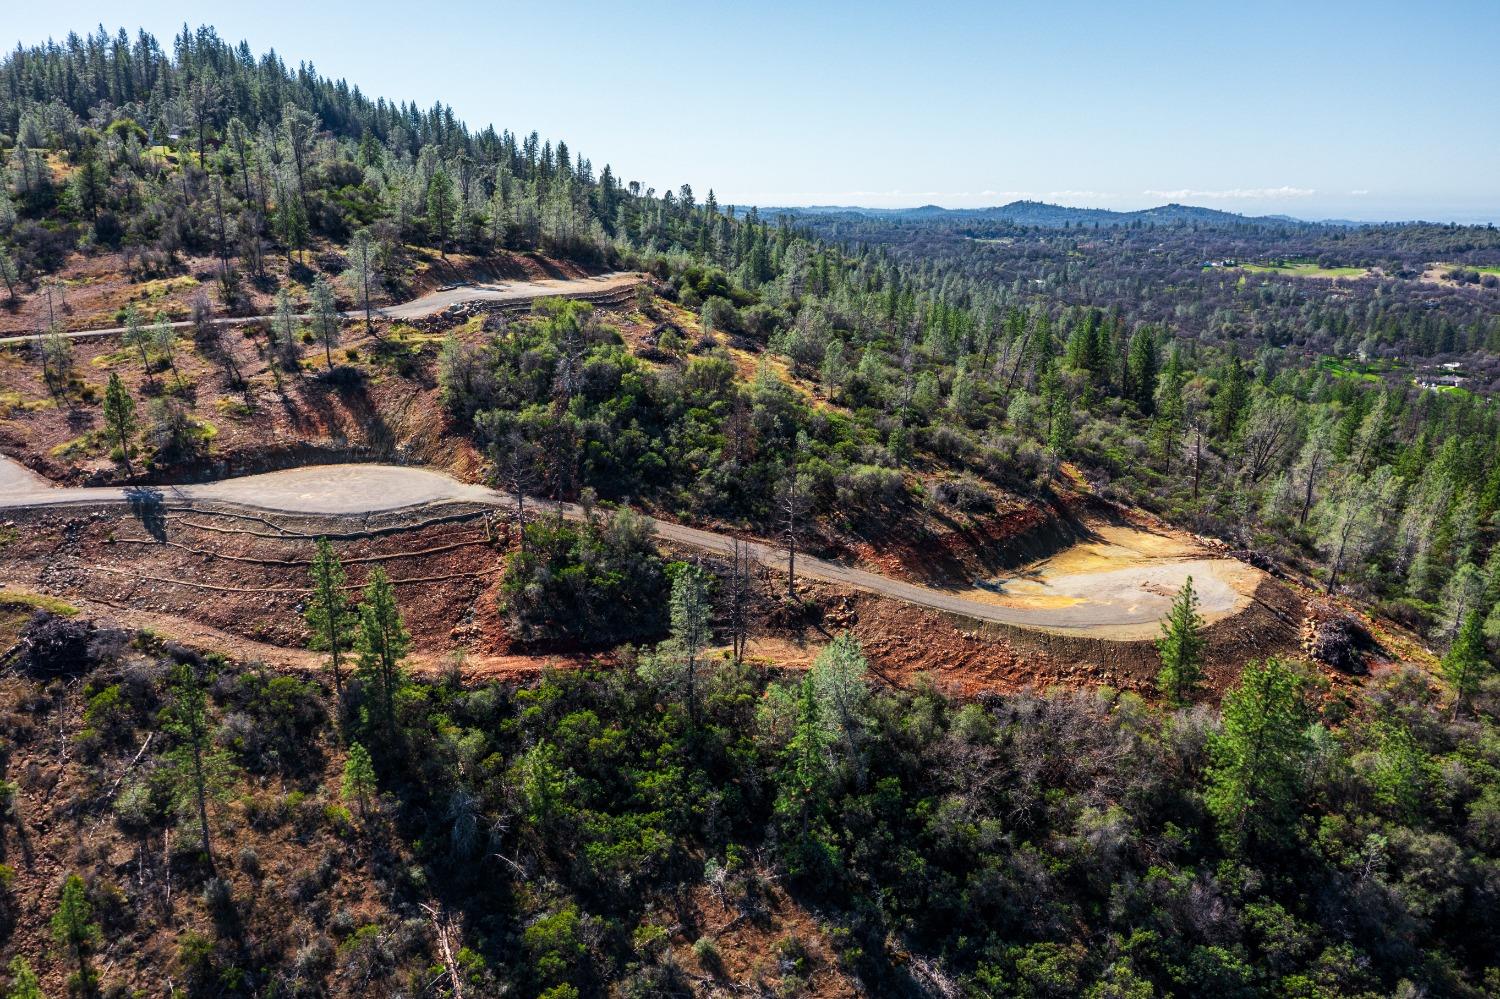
1045,215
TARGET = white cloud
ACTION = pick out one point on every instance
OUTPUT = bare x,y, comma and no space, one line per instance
1235,194
1360,193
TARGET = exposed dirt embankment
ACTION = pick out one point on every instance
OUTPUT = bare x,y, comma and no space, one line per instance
240,581
936,549
237,581
969,657
435,271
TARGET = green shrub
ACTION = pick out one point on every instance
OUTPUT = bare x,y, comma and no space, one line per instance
601,583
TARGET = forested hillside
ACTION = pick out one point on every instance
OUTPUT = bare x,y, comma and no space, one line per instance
674,817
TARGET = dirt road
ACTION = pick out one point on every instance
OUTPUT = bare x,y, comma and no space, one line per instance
427,305
1121,603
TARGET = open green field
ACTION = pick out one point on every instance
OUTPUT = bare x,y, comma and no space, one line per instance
1468,267
1306,269
1345,368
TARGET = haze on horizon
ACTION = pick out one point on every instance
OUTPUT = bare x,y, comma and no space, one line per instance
1365,111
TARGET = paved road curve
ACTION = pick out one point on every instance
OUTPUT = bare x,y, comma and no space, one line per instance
1130,610
427,305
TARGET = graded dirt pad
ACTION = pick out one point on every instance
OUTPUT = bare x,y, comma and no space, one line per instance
1119,581
906,645
330,490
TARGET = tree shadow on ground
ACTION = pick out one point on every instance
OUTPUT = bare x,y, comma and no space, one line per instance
148,506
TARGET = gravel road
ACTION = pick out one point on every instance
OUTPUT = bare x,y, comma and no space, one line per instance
427,305
1121,604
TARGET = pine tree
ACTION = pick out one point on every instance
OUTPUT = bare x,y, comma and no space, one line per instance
119,417
691,615
74,930
835,372
808,751
359,783
291,222
382,643
1170,408
1256,770
56,349
197,770
23,981
325,317
164,339
1234,395
282,339
1181,647
1141,370
1467,662
329,617
1401,772
1060,423
298,128
363,274
441,207
138,336
839,680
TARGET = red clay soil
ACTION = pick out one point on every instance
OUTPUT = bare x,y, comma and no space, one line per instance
907,645
237,575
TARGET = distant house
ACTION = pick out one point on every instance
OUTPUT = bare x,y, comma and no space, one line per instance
1436,383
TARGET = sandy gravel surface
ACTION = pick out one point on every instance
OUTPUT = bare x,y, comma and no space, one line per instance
16,479
505,291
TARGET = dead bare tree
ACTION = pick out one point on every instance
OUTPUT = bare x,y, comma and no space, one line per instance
210,338
443,928
1270,431
792,504
739,593
1193,449
515,466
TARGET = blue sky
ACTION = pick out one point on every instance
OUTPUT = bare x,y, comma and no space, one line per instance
1318,109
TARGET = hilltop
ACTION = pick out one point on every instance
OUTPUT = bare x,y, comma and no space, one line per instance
1042,214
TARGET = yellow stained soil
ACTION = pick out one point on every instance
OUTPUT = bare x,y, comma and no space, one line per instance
1127,569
